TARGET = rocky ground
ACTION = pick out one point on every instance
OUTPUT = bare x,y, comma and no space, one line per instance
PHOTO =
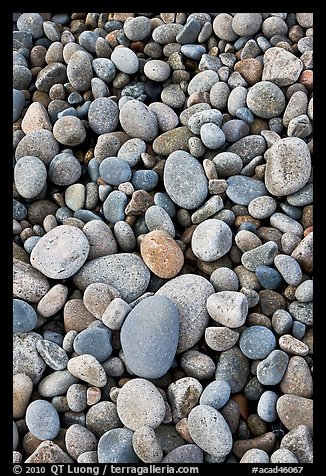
162,237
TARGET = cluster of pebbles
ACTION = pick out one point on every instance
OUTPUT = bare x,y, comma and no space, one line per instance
162,237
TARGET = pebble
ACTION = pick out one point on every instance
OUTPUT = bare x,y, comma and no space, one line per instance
115,446
255,455
76,397
242,190
97,296
299,442
229,308
101,239
78,440
149,337
248,147
264,442
140,403
189,293
146,445
87,368
104,69
222,26
220,338
224,279
102,417
282,455
262,255
266,407
69,130
64,169
144,180
211,240
56,383
18,103
281,67
46,452
212,136
53,355
24,316
301,198
40,144
75,196
28,283
268,277
184,454
94,341
124,236
47,255
115,170
303,253
265,100
189,32
157,218
22,391
115,314
30,176
166,118
246,24
216,394
157,70
294,410
270,370
289,268
288,166
293,346
103,115
304,292
286,224
197,365
76,316
233,367
42,420
183,395
31,22
184,180
256,342
227,164
53,73
214,436
125,60
161,254
131,150
262,207
297,379
138,121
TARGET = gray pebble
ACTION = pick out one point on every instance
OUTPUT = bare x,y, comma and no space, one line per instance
56,383
115,170
198,119
114,206
75,196
30,176
144,180
138,28
227,164
249,147
114,367
216,394
289,268
146,445
18,103
94,341
125,271
166,118
15,435
24,316
219,95
212,136
166,33
245,114
61,252
115,314
125,236
286,224
233,367
302,312
54,73
270,371
76,397
19,211
42,420
203,81
183,395
197,365
214,437
101,239
53,355
302,197
125,60
184,454
262,207
262,255
304,292
157,70
25,356
222,26
298,330
224,279
115,446
241,189
41,144
265,100
282,455
103,115
234,302
211,240
99,88
163,200
281,322
173,96
157,218
131,151
189,293
31,22
255,455
64,169
184,180
189,32
87,368
296,106
266,407
102,417
138,121
299,126
246,24
256,342
212,206
193,51
69,130
104,69
28,283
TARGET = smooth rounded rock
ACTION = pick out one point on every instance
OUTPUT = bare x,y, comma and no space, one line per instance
216,394
26,359
229,308
270,370
297,380
102,417
56,383
125,60
78,440
220,338
115,170
22,391
242,190
95,341
42,420
255,455
103,115
246,24
282,455
256,342
138,121
24,316
266,100
115,446
149,337
266,407
64,169
146,445
69,130
211,240
28,283
157,70
233,367
87,368
197,365
53,355
281,67
30,176
41,144
184,454
294,410
289,268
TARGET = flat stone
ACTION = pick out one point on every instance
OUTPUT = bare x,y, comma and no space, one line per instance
146,445
102,417
189,293
233,367
270,370
266,407
262,255
87,368
115,446
56,383
281,67
172,140
220,338
53,355
248,147
294,410
42,420
241,189
293,346
69,130
256,342
197,365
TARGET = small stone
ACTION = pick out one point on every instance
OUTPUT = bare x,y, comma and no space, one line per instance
289,269
102,417
224,279
262,255
31,22
146,445
95,341
248,147
79,439
115,446
282,456
184,454
268,277
197,365
36,118
30,176
125,60
138,121
233,367
281,67
203,81
211,240
222,26
297,379
216,394
212,136
22,391
48,452
299,442
228,308
220,338
293,346
24,316
41,144
266,407
270,370
42,420
28,283
215,436
294,410
69,130
87,368
54,73
304,292
266,100
140,403
255,455
246,24
264,442
53,355
256,342
262,207
242,190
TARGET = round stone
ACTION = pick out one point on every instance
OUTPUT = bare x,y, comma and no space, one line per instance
115,170
224,279
53,355
30,176
266,100
222,26
157,70
79,71
100,238
288,166
209,430
61,252
138,121
242,190
256,342
229,308
197,365
140,403
18,103
255,455
246,24
216,394
297,379
304,292
87,368
220,338
125,60
219,95
56,383
149,337
282,456
203,81
131,151
22,391
98,296
64,169
115,446
114,206
124,271
266,407
104,68
138,28
211,240
161,254
144,180
212,136
268,277
69,130
294,410
289,268
94,340
270,371
75,196
102,417
262,207
233,367
157,218
235,129
31,22
146,445
103,115
79,439
28,283
41,144
42,420
227,164
189,293
24,316
184,454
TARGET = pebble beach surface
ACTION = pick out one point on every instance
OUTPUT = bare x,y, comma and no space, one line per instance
163,238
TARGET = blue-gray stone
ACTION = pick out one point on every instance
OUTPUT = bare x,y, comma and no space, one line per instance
134,90
64,169
42,420
161,199
140,227
301,198
18,58
22,77
241,189
53,337
87,39
30,243
268,277
235,129
93,169
270,371
291,211
74,98
157,218
70,111
281,322
104,69
193,52
245,114
144,180
149,337
189,32
82,111
61,18
86,215
31,22
24,316
52,354
18,102
113,25
302,312
62,213
266,407
115,170
115,446
19,211
216,394
114,206
103,115
298,329
184,179
247,226
22,39
96,341
250,146
185,454
256,342
233,367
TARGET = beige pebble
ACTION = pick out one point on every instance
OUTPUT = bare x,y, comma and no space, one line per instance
76,316
97,297
293,346
28,283
294,411
36,118
53,301
22,390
